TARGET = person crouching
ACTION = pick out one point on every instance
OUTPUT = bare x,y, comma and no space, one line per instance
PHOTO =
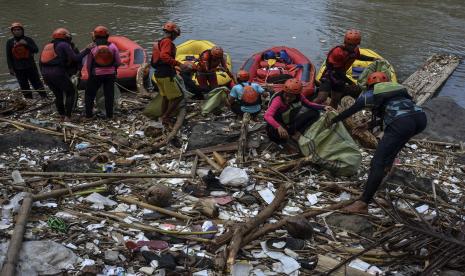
245,97
289,113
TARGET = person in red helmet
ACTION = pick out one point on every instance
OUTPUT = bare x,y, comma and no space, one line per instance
58,61
20,50
339,59
187,73
396,112
290,113
365,100
102,64
245,97
209,62
164,62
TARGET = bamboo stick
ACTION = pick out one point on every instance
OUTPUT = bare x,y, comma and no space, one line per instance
219,159
194,167
209,161
144,227
242,144
68,191
153,208
105,175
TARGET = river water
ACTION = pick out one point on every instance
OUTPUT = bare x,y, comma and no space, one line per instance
404,32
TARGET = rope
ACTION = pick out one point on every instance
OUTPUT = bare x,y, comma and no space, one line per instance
124,88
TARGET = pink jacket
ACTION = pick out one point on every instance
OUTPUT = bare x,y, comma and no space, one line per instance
277,106
109,70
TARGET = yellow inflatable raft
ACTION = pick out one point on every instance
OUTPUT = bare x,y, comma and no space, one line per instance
190,51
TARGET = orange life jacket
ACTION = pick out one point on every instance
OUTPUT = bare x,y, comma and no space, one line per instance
48,56
340,59
264,64
103,56
207,62
20,51
156,61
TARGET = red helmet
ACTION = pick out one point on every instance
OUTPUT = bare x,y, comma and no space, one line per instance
16,25
249,95
293,86
217,52
101,31
61,33
377,77
243,75
353,37
171,27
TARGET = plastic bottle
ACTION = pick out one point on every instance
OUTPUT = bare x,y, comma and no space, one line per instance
6,215
82,146
17,178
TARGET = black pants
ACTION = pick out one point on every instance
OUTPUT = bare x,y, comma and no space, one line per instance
396,135
62,87
24,76
93,84
302,121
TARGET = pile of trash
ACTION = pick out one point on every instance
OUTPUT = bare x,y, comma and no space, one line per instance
104,205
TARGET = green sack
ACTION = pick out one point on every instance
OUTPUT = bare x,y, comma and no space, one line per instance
332,148
376,66
100,99
153,109
216,99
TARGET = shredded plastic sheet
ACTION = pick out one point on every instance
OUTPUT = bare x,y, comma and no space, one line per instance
41,258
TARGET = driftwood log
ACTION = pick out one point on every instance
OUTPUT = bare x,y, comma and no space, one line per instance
140,76
275,226
236,236
424,83
177,126
12,255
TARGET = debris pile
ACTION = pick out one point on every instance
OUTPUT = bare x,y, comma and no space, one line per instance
106,201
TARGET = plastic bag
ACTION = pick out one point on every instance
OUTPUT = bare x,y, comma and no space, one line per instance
41,258
100,99
234,177
216,99
332,148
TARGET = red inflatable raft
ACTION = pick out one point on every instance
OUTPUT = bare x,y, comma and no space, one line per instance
287,63
132,57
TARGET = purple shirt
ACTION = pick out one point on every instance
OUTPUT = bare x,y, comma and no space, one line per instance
66,54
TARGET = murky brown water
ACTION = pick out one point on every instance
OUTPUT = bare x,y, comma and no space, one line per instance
404,32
